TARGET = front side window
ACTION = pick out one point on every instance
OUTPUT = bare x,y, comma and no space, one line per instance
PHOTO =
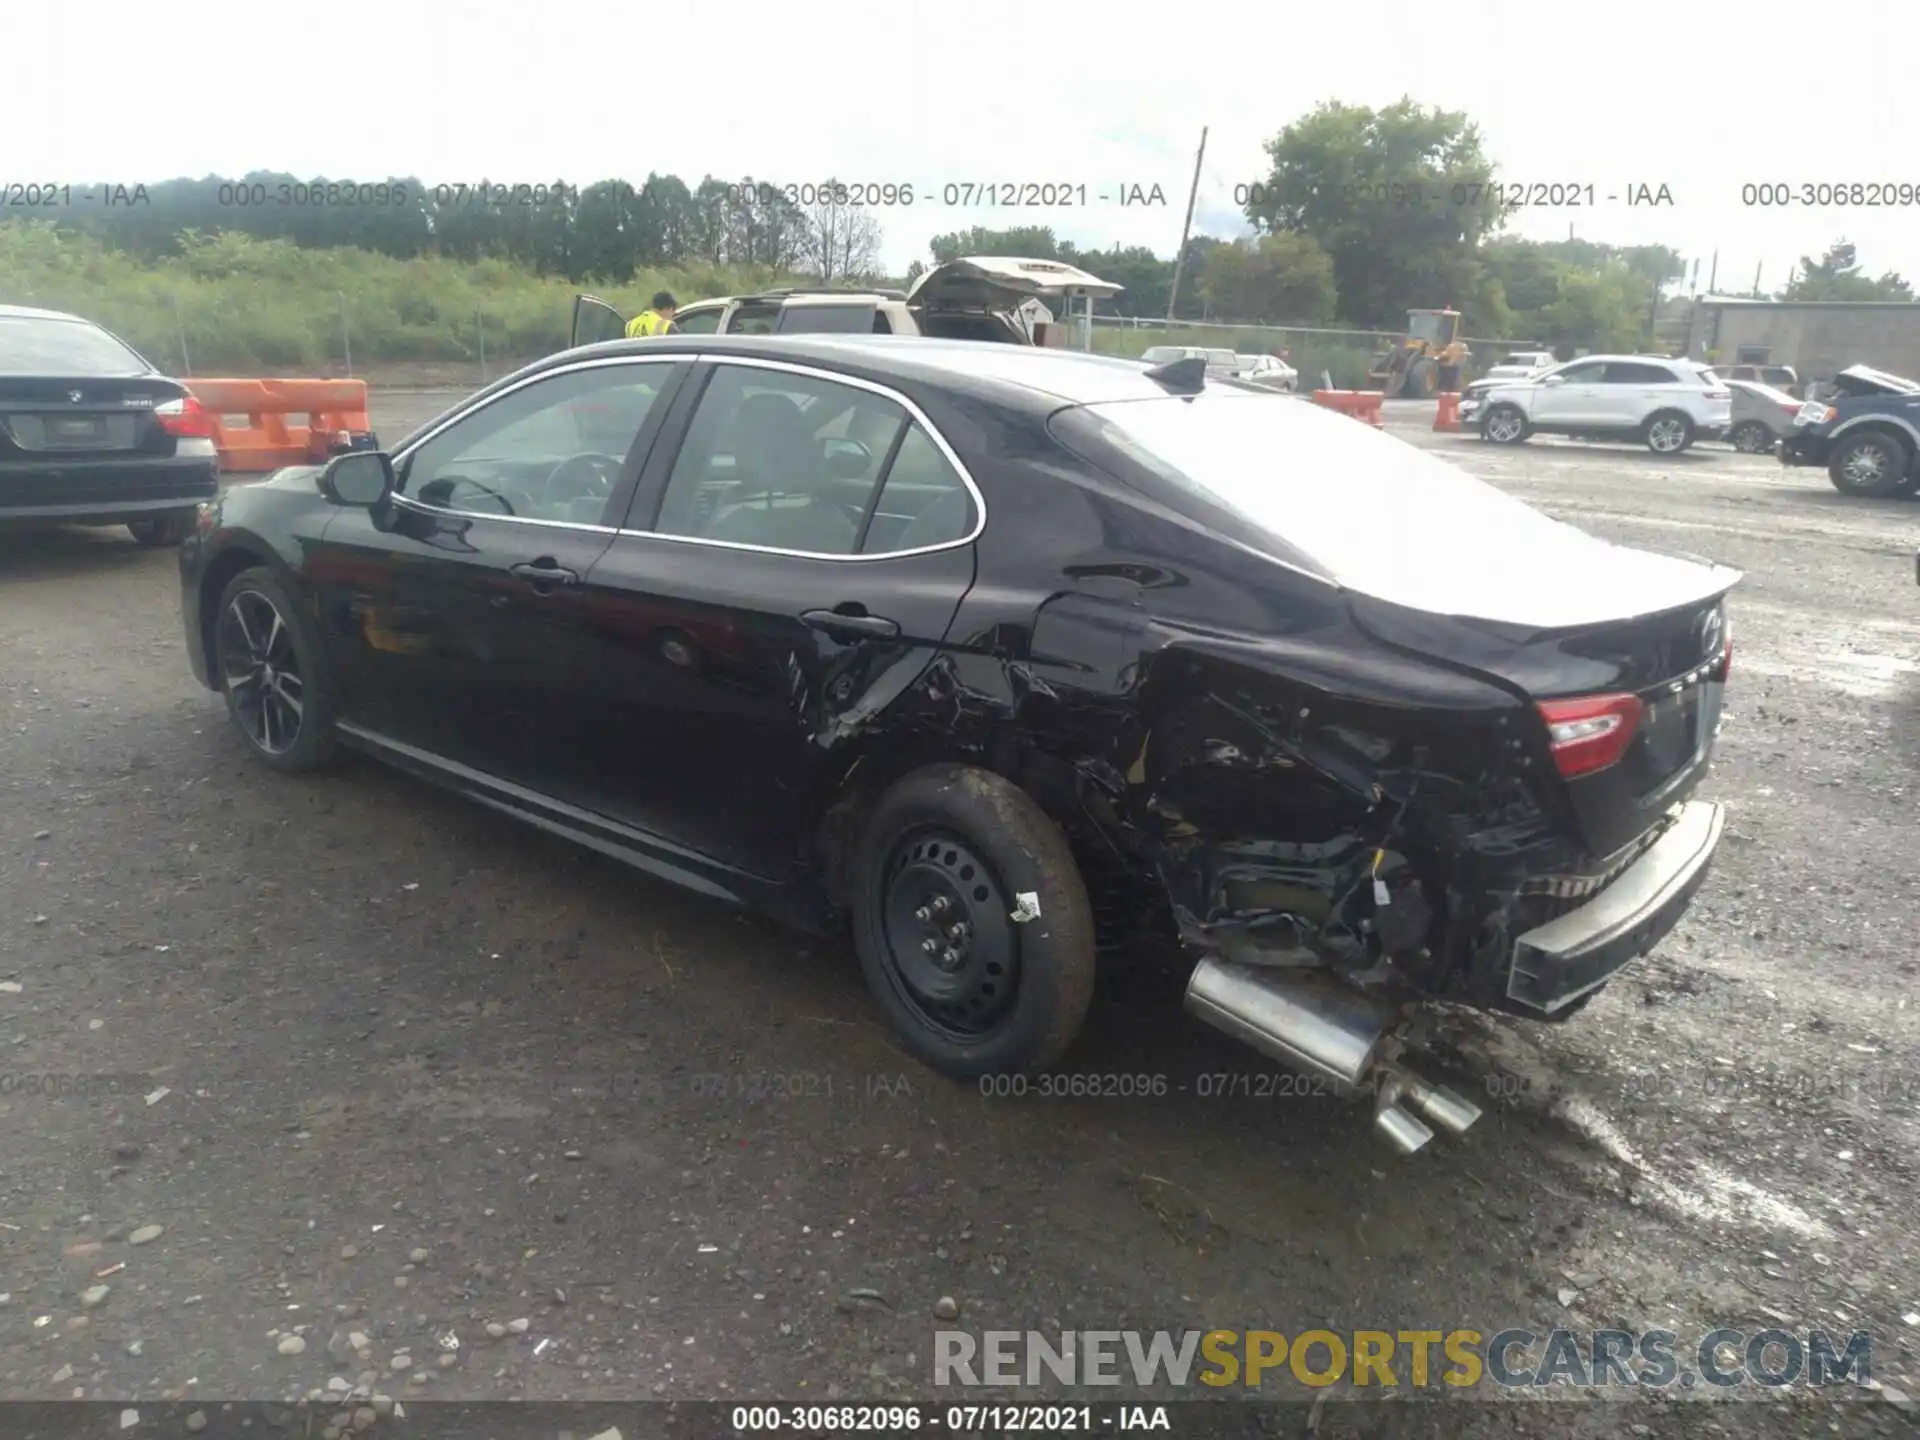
551,450
1582,374
699,322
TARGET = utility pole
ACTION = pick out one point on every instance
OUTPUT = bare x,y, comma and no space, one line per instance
1186,228
1713,275
1756,279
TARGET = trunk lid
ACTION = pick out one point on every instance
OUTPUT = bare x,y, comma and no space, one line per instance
53,418
994,297
1670,660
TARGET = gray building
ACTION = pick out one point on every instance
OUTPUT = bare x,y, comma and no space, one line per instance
1817,338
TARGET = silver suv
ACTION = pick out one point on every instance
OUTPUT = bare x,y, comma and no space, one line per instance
1661,403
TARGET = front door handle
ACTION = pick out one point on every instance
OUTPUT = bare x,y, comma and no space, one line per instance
544,574
850,624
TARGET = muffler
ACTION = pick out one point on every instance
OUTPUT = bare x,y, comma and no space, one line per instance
1305,1019
1309,1021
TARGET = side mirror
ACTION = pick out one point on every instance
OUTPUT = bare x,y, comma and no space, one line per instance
361,478
1553,380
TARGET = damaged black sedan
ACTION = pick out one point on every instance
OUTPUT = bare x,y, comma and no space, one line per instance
933,640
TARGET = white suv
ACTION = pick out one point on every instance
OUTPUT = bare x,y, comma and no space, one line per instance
1663,404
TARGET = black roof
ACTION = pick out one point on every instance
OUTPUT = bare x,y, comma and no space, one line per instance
1012,372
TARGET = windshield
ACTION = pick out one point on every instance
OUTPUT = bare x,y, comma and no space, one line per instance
35,345
1160,354
1383,517
1221,357
1429,326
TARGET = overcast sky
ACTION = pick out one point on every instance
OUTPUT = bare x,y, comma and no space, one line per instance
1700,97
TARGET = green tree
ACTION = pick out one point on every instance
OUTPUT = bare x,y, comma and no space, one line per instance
1030,242
1836,276
1398,197
1277,279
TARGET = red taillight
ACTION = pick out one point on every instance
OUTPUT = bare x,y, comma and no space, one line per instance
1590,733
185,419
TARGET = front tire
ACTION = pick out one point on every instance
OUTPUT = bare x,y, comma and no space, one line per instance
1422,382
1750,437
1668,433
268,662
972,923
1872,464
1504,425
158,530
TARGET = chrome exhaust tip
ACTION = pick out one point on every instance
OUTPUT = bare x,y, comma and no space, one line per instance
1402,1128
1447,1108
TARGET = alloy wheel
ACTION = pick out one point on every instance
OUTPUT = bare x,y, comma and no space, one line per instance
1503,426
1667,435
1752,439
1864,466
952,952
262,671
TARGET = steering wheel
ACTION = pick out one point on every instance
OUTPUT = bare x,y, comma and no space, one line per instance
600,473
454,482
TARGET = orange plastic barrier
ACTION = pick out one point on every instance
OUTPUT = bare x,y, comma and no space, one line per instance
268,440
1361,404
1449,417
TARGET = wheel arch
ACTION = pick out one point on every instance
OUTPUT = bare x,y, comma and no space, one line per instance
237,556
1889,425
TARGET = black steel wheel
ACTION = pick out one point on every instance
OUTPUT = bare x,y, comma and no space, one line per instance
268,667
972,923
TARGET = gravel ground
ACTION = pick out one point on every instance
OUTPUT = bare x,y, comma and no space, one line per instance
398,1072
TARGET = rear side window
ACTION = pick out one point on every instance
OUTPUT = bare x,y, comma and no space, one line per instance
1707,378
924,501
1630,373
31,345
828,320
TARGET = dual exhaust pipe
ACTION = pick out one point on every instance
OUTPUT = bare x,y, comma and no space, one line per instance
1310,1022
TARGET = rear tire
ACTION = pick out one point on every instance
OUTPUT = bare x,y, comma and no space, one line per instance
268,663
1504,425
993,994
1667,432
1874,464
158,530
1750,437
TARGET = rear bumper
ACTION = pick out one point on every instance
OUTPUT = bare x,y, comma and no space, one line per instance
106,492
1556,963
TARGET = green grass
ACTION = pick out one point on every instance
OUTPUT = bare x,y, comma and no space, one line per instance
238,304
244,305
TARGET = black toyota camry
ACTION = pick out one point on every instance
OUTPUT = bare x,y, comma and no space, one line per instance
935,640
92,434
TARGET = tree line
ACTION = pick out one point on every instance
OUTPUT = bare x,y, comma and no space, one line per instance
1363,214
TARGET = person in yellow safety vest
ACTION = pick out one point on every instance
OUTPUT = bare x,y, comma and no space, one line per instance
657,319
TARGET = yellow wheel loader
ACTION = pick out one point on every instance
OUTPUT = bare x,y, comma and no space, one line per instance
1429,358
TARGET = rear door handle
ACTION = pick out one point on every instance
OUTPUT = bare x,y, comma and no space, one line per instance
851,625
544,573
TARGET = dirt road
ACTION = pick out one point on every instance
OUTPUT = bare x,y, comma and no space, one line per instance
392,1068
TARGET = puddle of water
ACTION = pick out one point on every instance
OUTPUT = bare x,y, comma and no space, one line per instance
1709,1194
